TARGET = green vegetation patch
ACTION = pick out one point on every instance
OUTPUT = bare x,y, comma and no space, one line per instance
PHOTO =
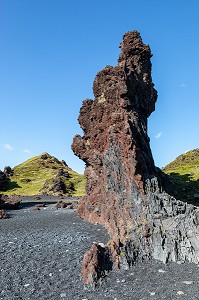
184,172
101,99
32,176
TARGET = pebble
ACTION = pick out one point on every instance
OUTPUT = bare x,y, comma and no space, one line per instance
161,271
143,290
180,293
123,280
63,295
50,274
187,282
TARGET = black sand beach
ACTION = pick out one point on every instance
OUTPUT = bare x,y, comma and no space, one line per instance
41,254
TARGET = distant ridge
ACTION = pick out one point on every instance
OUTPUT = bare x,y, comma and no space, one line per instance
184,172
44,174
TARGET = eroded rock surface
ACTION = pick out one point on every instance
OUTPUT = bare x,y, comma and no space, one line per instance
9,202
8,170
3,214
3,181
125,191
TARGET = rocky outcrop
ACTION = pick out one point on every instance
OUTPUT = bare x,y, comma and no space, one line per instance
8,170
184,174
3,181
57,185
96,263
125,191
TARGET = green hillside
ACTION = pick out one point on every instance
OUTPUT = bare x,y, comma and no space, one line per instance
184,171
44,174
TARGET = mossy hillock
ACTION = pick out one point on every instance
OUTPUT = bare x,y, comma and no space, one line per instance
44,174
184,173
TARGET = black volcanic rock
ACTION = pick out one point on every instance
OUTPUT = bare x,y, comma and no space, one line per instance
8,170
62,172
3,181
9,202
58,186
3,214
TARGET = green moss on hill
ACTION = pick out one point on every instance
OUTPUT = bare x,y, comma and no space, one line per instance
184,172
38,174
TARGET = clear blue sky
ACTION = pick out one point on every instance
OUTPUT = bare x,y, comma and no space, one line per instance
51,50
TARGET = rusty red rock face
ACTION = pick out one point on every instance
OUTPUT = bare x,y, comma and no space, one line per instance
125,191
115,145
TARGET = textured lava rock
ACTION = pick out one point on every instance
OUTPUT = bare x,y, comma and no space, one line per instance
125,191
3,214
67,204
96,263
62,172
3,181
9,202
55,185
8,170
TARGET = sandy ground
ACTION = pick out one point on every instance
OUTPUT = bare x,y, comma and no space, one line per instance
41,254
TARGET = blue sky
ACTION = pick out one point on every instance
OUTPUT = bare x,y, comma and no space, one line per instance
51,51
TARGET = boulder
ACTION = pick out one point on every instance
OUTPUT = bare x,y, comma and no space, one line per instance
8,170
67,204
3,181
3,214
96,264
9,202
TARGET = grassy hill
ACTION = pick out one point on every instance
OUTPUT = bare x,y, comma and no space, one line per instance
39,174
184,172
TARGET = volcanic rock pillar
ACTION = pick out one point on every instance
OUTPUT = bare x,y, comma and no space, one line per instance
125,191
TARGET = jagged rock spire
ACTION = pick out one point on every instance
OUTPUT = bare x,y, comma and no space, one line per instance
125,191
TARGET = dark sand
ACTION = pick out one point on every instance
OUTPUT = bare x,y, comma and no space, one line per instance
41,254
